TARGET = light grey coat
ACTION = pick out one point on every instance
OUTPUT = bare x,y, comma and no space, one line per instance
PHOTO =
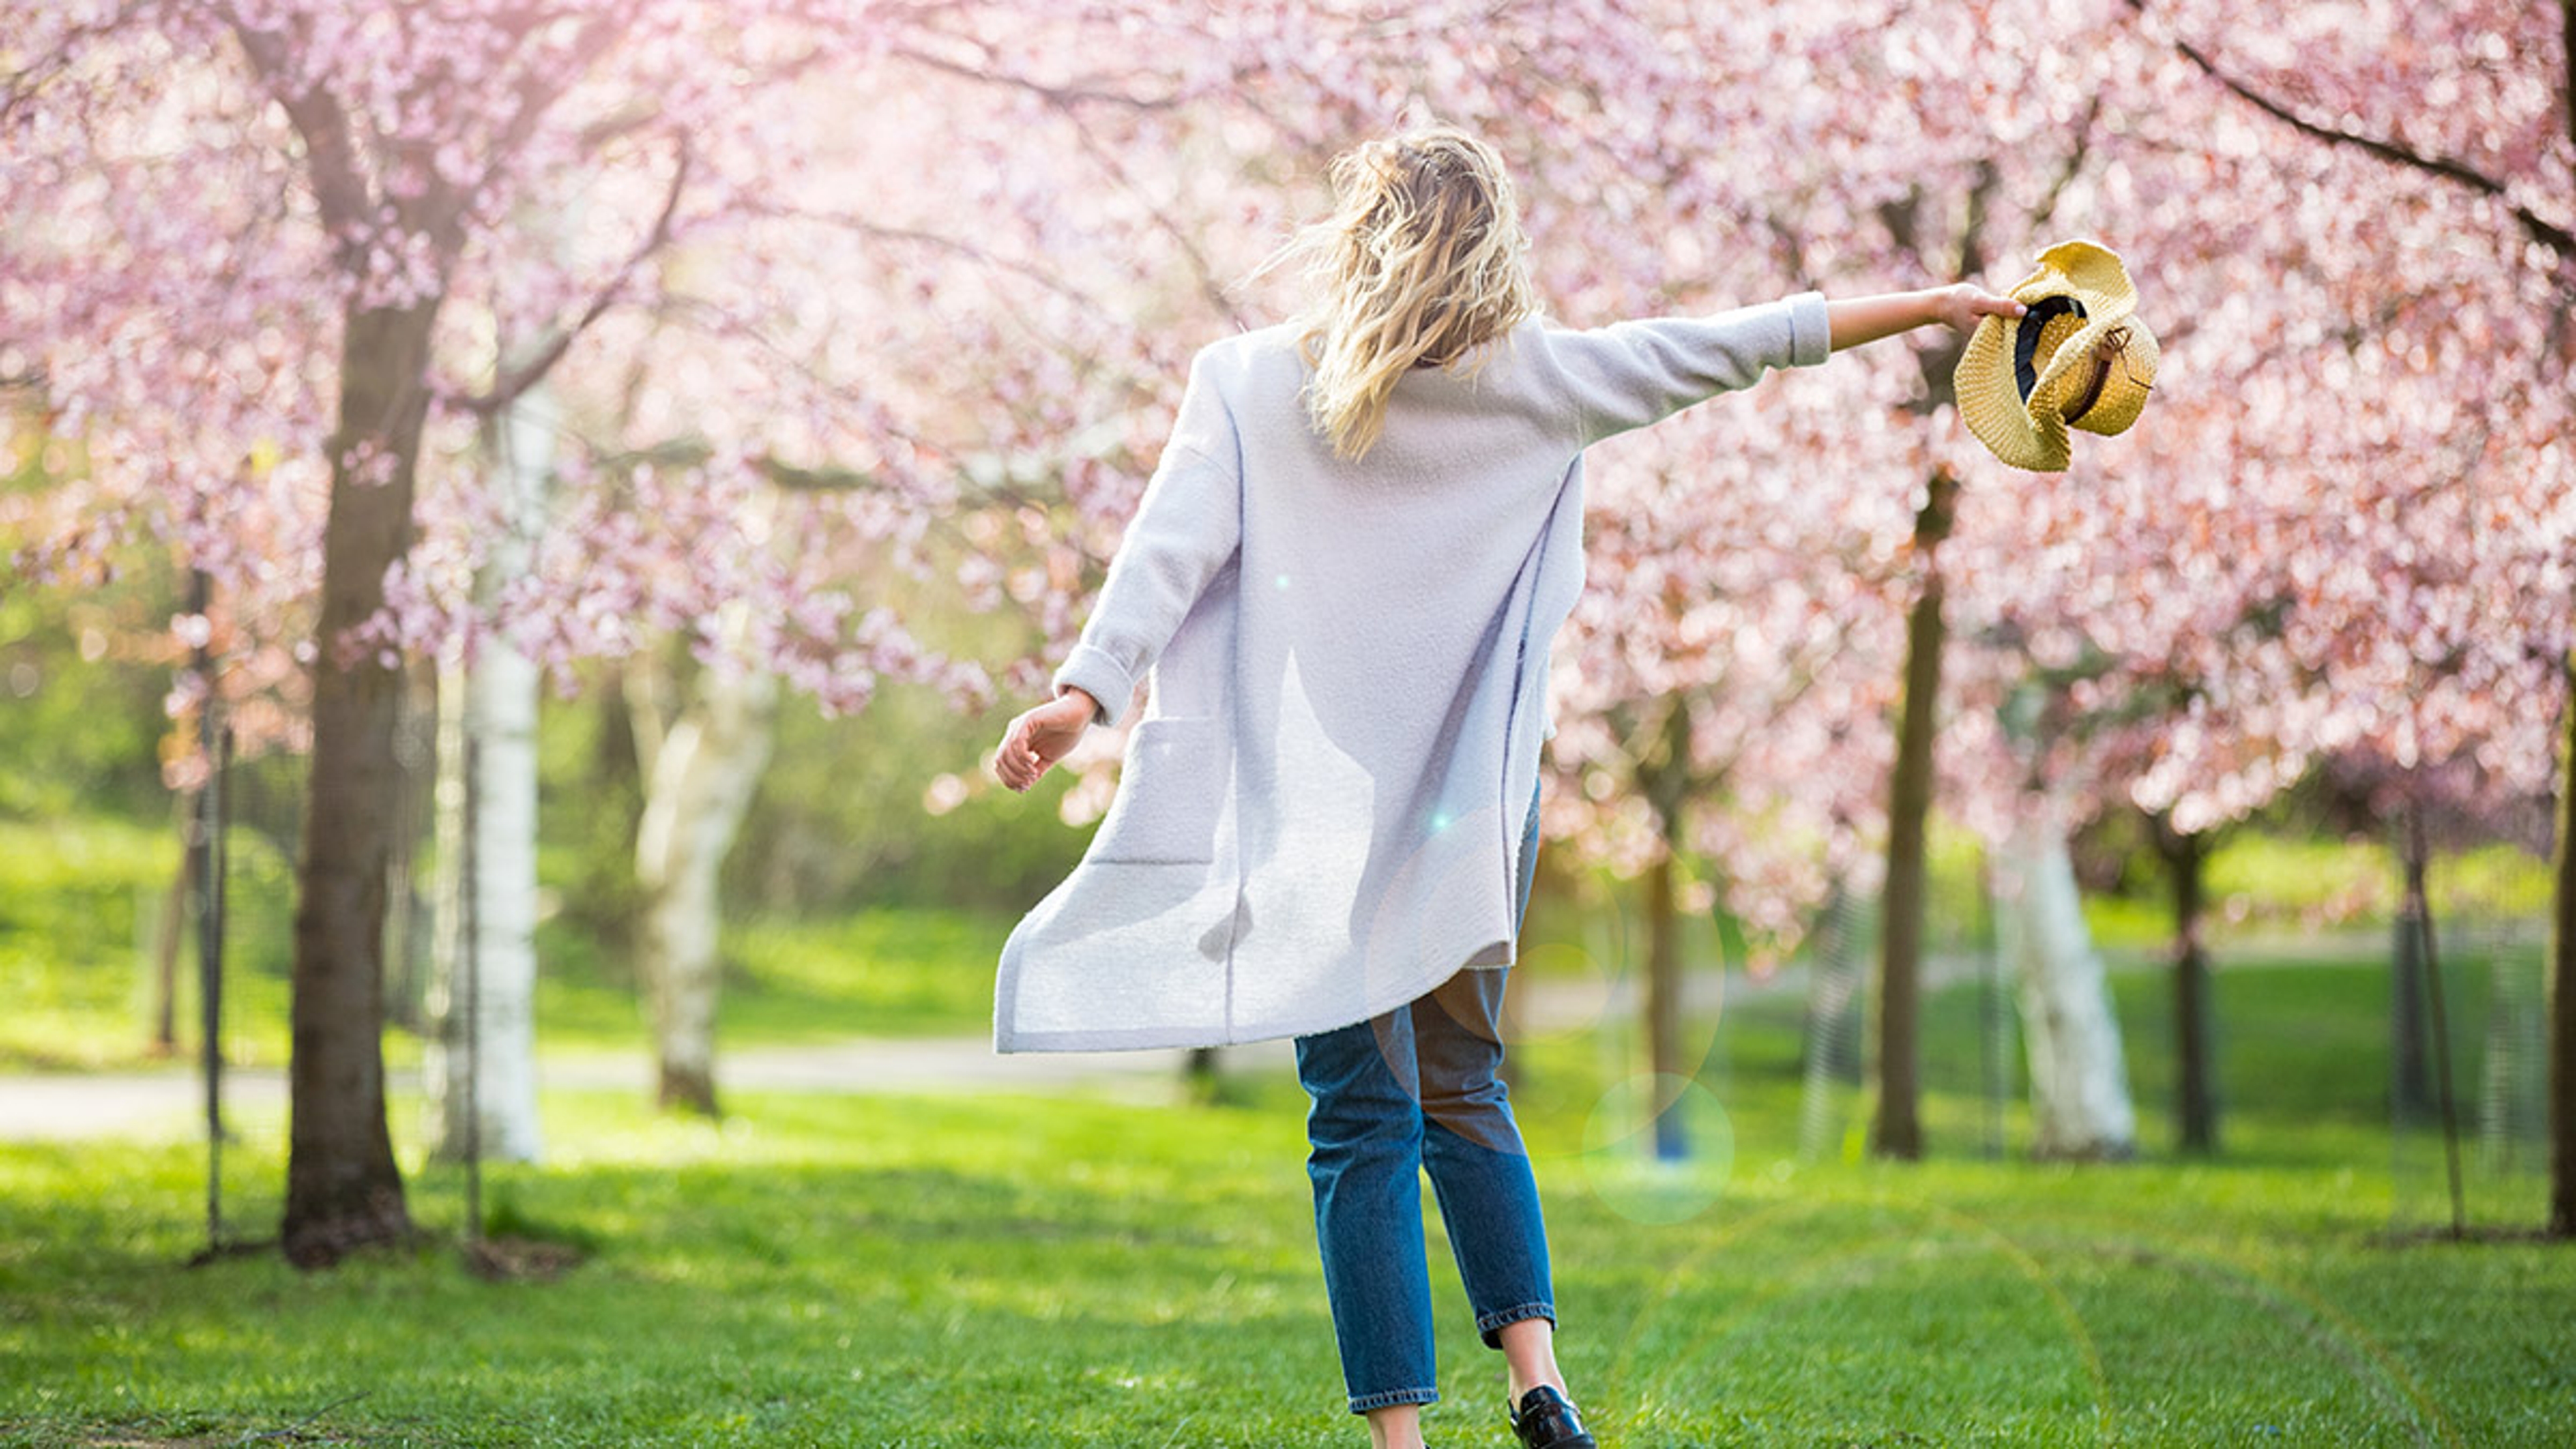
1320,812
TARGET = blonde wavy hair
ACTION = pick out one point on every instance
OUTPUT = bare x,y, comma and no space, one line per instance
1422,263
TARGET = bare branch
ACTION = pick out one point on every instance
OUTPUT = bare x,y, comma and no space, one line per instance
1972,231
1062,95
1209,287
2047,208
517,381
932,241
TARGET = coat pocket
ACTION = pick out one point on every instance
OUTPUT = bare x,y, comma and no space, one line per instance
1170,791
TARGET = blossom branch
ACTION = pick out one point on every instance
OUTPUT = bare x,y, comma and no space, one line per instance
2548,233
932,241
24,82
514,383
339,183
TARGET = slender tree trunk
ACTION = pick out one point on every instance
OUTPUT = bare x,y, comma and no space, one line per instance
1663,778
494,702
2197,1098
2561,994
343,1189
1663,1007
2079,1081
2421,908
1200,1074
703,773
416,747
2410,1082
1896,1128
165,948
1836,983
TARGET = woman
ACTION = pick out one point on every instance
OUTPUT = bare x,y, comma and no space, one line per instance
1341,585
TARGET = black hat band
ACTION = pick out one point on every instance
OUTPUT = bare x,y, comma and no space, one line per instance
2026,347
2026,338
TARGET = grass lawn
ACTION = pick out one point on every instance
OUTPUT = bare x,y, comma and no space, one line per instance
80,899
1028,1271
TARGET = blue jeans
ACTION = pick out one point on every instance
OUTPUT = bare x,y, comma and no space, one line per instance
1411,1089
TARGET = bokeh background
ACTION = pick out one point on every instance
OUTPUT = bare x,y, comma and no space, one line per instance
522,523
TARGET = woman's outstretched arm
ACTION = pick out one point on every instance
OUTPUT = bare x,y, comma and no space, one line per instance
1855,320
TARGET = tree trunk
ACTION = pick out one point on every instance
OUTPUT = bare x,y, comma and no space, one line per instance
2420,907
2196,1106
1202,1076
2079,1080
416,747
1836,983
2561,994
1896,1129
700,784
1663,778
1663,1008
165,945
493,701
343,1190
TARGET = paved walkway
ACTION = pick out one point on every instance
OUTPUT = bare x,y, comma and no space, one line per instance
161,1103
170,1102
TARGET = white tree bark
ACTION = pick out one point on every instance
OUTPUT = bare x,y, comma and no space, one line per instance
494,704
700,771
2079,1081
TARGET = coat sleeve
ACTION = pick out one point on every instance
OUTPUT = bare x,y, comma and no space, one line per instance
1630,374
1187,526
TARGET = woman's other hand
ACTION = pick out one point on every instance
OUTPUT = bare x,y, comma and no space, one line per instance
1962,304
1042,736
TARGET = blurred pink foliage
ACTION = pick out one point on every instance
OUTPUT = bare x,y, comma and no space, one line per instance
941,267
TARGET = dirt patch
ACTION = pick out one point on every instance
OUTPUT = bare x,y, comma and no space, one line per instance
507,1259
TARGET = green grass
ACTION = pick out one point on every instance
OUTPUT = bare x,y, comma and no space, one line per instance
882,971
80,899
1071,1270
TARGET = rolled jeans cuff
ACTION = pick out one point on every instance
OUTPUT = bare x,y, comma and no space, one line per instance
1362,1403
1489,1326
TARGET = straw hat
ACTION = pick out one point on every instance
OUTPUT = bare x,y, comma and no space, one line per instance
2079,357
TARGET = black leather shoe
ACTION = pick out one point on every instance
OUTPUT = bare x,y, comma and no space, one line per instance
1545,1420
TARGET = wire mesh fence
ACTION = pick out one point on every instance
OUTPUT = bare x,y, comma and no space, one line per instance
229,925
2469,1152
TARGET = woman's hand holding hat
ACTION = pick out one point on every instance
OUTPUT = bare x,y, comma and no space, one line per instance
1963,304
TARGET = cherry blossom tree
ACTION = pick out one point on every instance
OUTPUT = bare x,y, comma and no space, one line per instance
916,283
2433,601
267,259
2229,560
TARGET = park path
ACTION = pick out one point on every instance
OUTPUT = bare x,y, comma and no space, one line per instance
169,1102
